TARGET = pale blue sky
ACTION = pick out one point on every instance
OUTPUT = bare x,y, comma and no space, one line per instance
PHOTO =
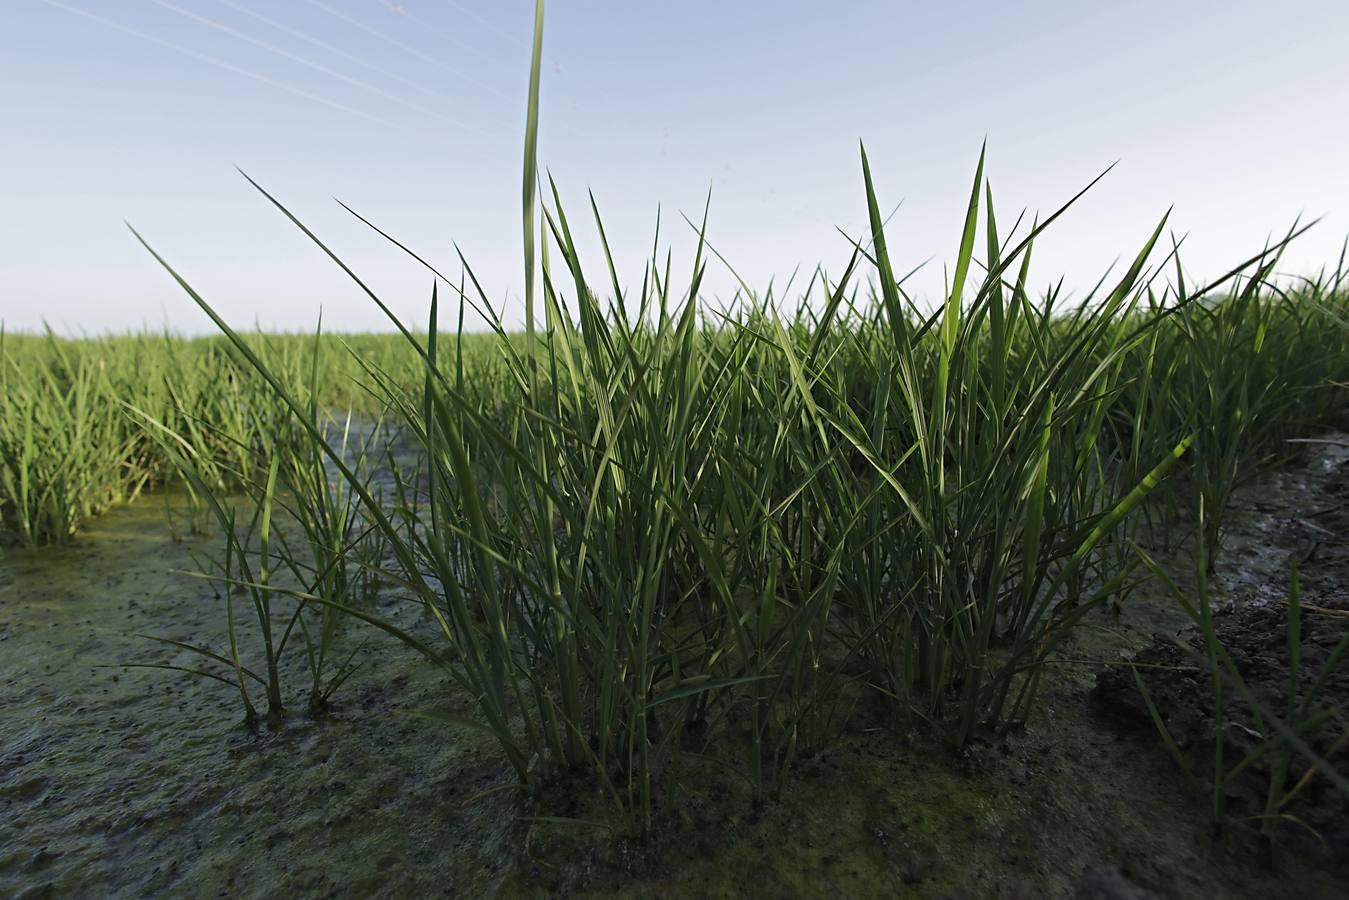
138,110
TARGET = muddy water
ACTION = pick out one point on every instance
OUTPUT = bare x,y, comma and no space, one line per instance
137,782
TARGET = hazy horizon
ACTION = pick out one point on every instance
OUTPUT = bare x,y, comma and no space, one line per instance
413,113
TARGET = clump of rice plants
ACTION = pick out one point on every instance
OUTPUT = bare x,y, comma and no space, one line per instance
646,533
285,483
339,557
1242,370
63,447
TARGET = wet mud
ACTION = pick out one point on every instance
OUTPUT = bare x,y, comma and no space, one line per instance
139,782
1304,525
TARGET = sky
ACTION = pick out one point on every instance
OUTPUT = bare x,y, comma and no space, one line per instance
1230,113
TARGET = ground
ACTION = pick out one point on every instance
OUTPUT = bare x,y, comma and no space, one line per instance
1305,523
141,782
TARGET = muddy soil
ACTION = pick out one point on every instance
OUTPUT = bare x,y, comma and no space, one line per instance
138,782
1304,526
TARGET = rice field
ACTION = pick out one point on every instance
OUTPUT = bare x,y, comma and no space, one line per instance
669,575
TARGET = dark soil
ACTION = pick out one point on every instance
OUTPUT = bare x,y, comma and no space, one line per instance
1308,528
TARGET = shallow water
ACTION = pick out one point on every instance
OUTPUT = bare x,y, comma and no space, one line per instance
138,782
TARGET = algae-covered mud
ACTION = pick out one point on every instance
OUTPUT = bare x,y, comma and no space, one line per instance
142,782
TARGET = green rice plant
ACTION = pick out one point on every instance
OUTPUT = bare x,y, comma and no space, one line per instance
342,551
62,447
338,560
242,581
992,487
1237,372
